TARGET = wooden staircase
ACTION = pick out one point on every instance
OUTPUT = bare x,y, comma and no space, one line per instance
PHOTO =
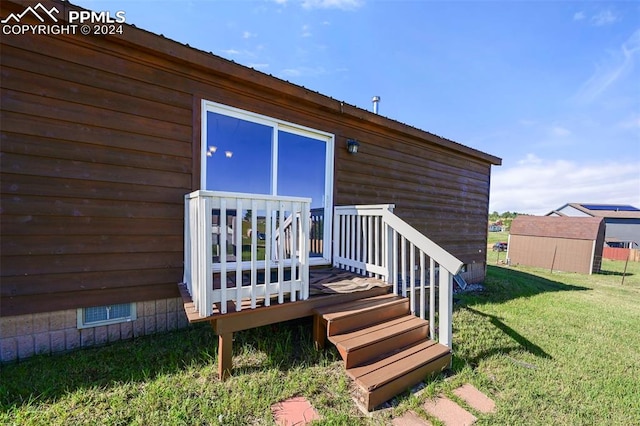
385,348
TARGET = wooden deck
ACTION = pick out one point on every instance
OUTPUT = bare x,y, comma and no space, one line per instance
328,286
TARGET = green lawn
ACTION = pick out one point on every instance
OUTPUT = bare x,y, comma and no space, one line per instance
561,349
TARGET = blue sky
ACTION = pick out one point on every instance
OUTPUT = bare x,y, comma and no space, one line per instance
553,88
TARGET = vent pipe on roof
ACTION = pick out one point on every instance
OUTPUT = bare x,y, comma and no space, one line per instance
375,100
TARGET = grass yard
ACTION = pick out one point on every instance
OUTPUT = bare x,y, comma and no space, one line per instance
561,349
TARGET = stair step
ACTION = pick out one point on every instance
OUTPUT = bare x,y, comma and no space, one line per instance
369,343
361,313
383,379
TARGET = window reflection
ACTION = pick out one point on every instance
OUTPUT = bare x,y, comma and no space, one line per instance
238,155
301,172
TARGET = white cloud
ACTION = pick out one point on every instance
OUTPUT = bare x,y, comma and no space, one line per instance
306,31
230,52
530,159
632,122
526,122
302,71
617,66
537,186
605,17
248,35
579,16
560,131
332,4
258,66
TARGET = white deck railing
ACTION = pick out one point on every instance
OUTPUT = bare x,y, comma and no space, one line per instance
215,244
372,240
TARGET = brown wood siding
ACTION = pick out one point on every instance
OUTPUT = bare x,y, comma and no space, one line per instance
101,140
96,159
441,193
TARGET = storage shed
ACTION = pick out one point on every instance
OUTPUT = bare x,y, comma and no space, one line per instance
571,244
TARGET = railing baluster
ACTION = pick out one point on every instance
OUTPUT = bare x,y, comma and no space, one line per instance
268,238
423,287
412,277
394,265
403,261
358,254
349,243
295,210
432,298
238,239
281,253
343,236
254,252
304,251
370,241
380,248
336,239
223,255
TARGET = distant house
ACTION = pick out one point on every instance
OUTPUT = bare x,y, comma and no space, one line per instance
571,244
622,221
495,228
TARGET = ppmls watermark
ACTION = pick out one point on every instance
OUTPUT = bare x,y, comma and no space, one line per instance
82,22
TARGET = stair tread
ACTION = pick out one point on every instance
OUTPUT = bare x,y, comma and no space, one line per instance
378,373
378,332
363,305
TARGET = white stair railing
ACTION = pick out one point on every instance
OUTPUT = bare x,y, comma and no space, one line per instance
216,244
372,240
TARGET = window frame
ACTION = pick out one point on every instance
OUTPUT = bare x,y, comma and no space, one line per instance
278,125
82,324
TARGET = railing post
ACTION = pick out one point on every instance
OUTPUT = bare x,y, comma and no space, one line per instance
445,313
206,251
389,258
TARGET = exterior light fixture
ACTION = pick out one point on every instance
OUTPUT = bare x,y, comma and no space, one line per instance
209,154
228,154
213,148
352,146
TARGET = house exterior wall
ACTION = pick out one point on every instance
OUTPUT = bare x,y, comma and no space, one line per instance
101,141
559,254
623,230
54,332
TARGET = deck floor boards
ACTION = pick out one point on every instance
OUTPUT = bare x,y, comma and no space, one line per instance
329,283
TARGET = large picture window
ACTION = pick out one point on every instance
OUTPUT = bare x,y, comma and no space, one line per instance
250,153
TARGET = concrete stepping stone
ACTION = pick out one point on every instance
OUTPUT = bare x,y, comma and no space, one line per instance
476,399
296,411
410,419
448,412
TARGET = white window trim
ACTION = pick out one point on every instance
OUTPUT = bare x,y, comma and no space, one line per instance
277,125
81,324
